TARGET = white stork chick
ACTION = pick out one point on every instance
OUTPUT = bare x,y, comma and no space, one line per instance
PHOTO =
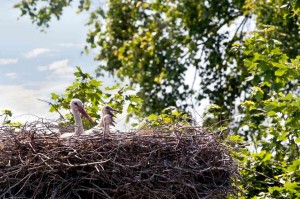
77,110
107,120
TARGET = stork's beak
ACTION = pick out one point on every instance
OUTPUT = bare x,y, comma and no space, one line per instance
84,113
114,110
113,122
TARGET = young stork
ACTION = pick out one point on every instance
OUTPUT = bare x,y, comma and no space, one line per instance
107,119
105,122
77,110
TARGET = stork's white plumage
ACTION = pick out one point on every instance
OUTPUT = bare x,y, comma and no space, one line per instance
77,110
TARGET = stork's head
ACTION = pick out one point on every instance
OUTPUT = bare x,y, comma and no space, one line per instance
107,116
77,107
108,110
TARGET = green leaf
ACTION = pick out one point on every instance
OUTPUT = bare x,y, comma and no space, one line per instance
114,87
77,74
266,83
291,186
95,83
280,72
130,108
247,103
54,96
295,166
185,116
134,124
235,138
288,97
167,120
128,88
267,157
152,117
270,107
213,106
280,65
52,109
7,112
176,113
271,113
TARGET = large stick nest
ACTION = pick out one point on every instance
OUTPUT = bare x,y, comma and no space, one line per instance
37,164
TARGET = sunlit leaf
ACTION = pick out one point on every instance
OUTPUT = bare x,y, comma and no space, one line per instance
152,117
280,72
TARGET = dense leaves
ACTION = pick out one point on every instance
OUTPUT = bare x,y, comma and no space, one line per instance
154,43
271,120
42,11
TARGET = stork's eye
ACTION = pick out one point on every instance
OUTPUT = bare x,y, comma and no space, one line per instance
76,103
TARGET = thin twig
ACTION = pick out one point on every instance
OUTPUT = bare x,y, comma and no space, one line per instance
51,104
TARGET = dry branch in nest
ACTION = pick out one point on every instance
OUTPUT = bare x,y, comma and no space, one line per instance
35,163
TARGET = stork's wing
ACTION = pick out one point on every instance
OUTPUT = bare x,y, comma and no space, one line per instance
93,131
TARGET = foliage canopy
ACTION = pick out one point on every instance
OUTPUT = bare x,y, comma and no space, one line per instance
271,119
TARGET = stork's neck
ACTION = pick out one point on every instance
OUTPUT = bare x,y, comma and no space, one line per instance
103,113
78,123
101,124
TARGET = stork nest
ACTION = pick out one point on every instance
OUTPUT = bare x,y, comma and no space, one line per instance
35,163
